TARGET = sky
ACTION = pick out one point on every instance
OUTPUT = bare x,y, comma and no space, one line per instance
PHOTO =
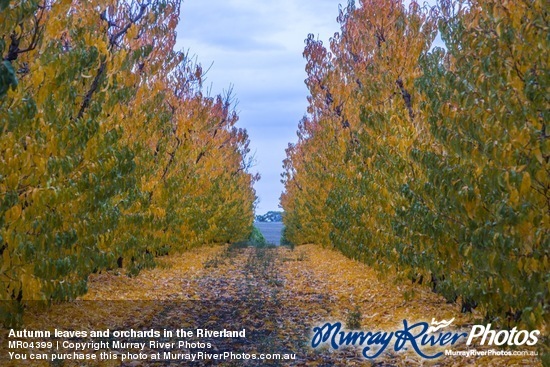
256,48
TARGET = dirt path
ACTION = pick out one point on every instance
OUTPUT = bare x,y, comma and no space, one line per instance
275,294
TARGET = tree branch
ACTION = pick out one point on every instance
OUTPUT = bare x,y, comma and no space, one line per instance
406,97
95,85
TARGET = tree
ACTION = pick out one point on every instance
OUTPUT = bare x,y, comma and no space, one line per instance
110,152
432,162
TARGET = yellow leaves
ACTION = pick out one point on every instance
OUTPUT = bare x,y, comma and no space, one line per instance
147,185
159,212
522,138
517,83
182,270
31,285
12,181
526,230
538,155
39,162
470,208
102,242
283,298
38,77
534,265
6,262
505,286
514,196
133,32
525,187
13,213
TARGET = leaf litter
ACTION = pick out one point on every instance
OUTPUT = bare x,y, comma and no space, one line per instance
277,294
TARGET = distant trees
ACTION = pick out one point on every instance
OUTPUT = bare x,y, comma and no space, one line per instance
271,216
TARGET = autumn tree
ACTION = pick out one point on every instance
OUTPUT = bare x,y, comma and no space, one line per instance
362,110
483,204
432,162
109,148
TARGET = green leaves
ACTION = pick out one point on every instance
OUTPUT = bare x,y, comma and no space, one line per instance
8,79
4,4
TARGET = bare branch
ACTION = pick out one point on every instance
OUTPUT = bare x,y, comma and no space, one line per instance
406,97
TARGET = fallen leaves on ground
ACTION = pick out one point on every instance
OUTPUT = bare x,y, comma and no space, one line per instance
278,295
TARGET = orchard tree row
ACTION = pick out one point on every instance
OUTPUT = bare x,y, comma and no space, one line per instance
432,162
110,151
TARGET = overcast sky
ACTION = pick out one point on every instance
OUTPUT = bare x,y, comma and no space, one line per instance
257,46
